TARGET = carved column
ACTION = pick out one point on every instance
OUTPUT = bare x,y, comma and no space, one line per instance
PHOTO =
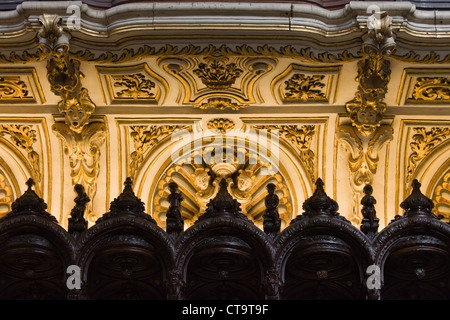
367,131
81,135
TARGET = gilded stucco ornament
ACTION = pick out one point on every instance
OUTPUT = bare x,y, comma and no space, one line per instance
366,133
81,137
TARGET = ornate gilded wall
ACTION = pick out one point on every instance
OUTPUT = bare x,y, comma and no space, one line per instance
254,93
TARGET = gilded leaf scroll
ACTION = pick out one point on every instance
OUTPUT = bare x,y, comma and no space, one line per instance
305,88
424,142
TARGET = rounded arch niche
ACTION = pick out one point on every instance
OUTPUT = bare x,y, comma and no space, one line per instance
248,159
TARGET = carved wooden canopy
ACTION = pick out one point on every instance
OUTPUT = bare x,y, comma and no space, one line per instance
320,255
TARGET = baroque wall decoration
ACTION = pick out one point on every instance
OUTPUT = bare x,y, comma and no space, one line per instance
300,137
20,85
144,139
423,155
82,136
25,145
24,137
366,133
306,84
424,86
136,84
441,197
199,182
424,142
6,195
220,81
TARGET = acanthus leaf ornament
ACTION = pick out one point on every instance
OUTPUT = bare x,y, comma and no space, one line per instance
424,143
305,88
82,138
24,136
12,88
144,138
435,89
366,134
301,137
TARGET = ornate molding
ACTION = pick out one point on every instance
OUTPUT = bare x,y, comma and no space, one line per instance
300,137
145,138
366,134
362,159
442,197
218,81
136,84
84,151
12,88
220,125
302,88
24,137
436,89
6,195
424,142
199,180
217,74
133,86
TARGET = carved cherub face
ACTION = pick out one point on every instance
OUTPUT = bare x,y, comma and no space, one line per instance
76,115
202,180
244,182
366,119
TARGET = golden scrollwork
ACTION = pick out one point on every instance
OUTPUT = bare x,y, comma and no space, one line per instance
220,104
362,159
424,142
144,138
12,88
134,86
24,136
442,197
435,89
6,195
368,107
301,137
220,125
301,88
83,150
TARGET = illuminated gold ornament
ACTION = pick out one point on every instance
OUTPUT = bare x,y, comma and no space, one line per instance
424,143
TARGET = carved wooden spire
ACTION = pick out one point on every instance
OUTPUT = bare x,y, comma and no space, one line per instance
272,221
174,221
30,203
319,204
77,223
127,204
416,203
223,205
370,222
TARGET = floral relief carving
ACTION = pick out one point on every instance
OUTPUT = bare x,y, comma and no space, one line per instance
217,74
424,142
442,197
134,86
301,137
12,87
305,88
24,136
144,138
431,89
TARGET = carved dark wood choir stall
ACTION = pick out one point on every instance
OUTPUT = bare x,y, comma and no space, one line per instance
320,255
